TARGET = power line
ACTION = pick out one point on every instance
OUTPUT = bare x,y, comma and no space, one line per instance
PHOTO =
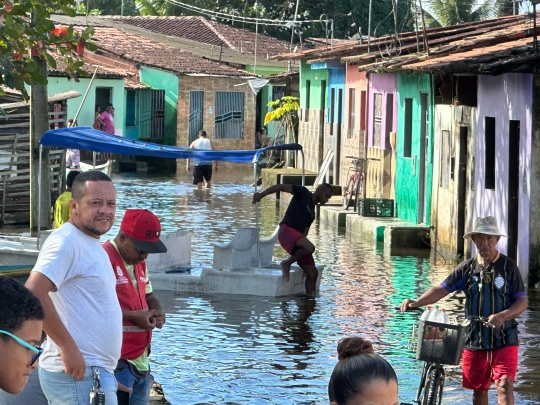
249,20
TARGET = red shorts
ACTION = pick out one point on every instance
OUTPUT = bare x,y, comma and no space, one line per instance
288,237
481,367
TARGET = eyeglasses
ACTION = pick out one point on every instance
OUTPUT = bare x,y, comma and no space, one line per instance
37,350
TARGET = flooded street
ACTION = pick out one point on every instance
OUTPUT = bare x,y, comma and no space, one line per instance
231,349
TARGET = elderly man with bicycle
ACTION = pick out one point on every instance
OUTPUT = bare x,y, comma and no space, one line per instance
493,289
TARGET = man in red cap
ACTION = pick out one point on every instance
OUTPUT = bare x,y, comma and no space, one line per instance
141,311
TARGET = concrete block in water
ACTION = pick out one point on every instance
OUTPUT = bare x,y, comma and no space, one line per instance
178,252
264,281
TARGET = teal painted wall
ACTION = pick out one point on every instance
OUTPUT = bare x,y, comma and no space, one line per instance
86,116
407,168
160,80
315,76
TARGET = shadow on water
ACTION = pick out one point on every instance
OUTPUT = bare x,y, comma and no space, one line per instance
232,349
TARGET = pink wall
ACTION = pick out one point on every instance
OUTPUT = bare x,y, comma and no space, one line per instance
385,84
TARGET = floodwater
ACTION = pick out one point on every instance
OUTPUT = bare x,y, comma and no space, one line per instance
240,349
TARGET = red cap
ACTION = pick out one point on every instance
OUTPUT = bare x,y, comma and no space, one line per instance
144,229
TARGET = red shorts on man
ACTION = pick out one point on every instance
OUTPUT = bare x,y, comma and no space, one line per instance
481,367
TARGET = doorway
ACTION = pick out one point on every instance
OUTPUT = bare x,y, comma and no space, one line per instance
422,162
461,189
322,122
513,189
103,96
339,122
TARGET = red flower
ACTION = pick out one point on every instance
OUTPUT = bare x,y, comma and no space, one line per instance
60,31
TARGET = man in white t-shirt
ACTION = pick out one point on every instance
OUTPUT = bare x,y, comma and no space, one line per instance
74,281
202,170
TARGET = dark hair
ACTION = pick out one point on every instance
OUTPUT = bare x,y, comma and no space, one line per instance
17,305
109,105
328,186
78,189
357,368
98,106
71,176
202,132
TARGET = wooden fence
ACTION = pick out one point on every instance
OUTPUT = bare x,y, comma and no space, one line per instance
15,165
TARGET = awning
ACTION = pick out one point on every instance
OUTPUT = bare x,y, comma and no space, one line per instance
86,138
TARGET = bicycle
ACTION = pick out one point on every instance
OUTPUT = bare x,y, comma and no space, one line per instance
355,182
437,345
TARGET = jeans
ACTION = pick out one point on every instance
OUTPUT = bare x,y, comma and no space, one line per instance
140,386
63,389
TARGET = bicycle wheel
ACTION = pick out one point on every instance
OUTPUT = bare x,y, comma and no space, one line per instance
358,191
434,387
348,192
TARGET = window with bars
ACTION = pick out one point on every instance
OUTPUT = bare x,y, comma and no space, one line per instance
308,97
446,147
377,118
229,119
407,130
352,112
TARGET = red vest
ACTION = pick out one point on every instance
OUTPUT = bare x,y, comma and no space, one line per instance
134,341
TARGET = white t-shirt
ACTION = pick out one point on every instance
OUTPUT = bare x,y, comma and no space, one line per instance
85,299
203,144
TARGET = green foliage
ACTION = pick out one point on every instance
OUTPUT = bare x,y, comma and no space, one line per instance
158,8
454,12
113,7
382,16
28,33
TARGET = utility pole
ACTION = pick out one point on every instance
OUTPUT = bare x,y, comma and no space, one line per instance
40,214
369,27
294,25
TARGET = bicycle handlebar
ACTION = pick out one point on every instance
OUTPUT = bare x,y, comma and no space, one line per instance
410,309
474,318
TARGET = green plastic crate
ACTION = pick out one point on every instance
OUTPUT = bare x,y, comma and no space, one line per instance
376,207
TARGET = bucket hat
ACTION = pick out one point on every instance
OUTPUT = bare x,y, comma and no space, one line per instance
487,226
144,229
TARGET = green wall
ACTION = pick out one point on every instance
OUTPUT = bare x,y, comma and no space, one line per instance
316,76
86,116
160,80
407,172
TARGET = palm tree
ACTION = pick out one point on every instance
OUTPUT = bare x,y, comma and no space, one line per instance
158,8
455,12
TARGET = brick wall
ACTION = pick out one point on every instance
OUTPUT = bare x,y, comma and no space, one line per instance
111,61
210,85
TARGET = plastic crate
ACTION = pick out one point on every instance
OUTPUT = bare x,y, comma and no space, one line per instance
440,342
376,207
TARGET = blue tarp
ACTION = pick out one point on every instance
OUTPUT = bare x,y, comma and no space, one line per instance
86,138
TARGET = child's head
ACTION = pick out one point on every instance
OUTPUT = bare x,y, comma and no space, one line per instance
361,376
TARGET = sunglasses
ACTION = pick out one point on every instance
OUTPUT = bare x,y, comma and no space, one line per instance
37,350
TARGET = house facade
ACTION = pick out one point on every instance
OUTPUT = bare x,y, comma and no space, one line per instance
382,118
414,157
503,152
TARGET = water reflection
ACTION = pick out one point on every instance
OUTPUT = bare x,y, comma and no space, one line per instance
227,349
